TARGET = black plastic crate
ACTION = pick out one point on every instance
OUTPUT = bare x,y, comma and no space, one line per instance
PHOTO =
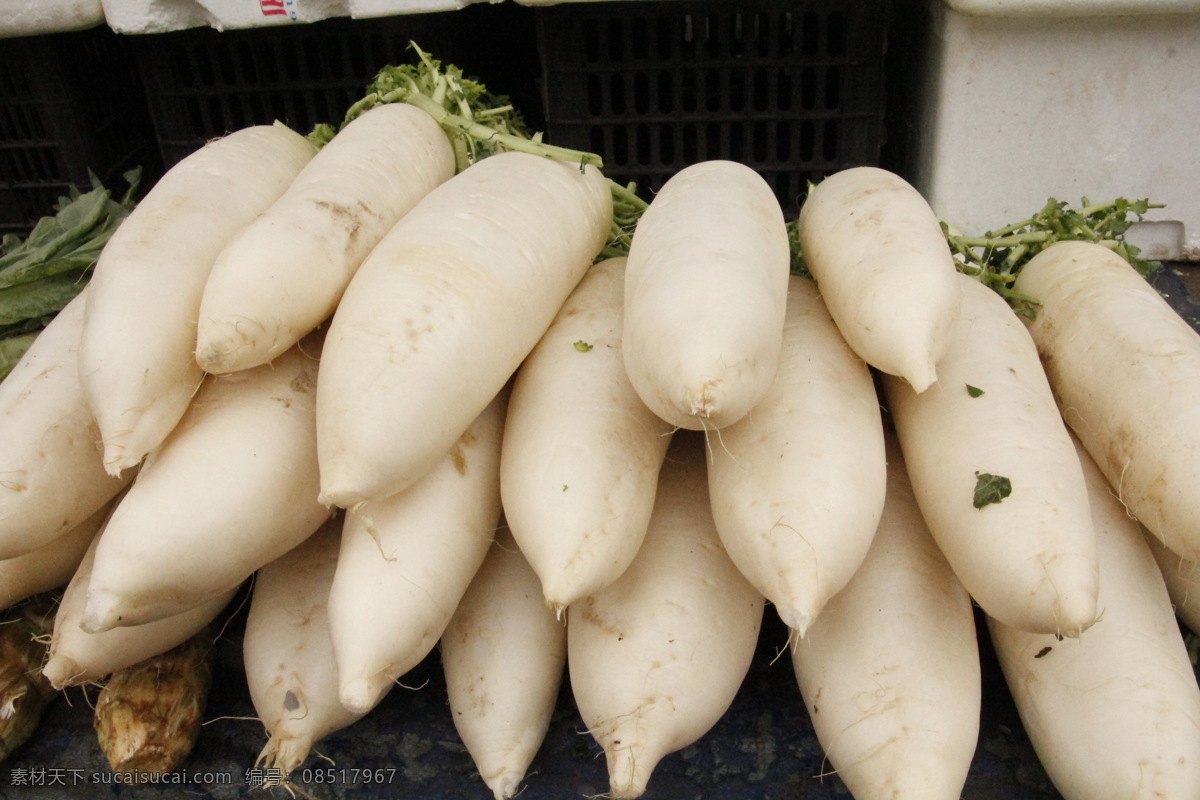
69,103
794,89
202,83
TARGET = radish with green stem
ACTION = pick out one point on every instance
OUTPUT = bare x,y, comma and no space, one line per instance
406,561
1125,368
136,355
503,655
288,656
797,486
582,452
233,487
876,249
889,672
50,442
282,275
996,475
442,312
705,289
657,657
1116,713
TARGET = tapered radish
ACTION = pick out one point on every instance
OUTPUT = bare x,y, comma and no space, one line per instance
877,251
136,358
797,486
407,560
890,672
290,670
77,657
233,487
503,655
996,475
51,565
1182,578
1125,368
50,442
1116,713
705,291
582,452
656,658
442,312
283,274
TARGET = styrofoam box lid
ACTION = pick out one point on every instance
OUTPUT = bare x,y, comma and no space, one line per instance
1071,8
35,17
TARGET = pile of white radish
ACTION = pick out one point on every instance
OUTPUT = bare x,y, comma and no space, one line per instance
415,400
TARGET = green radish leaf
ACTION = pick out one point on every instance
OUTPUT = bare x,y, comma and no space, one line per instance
12,348
974,391
990,489
582,346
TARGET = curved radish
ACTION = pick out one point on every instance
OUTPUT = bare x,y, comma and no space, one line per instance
705,290
657,657
51,565
50,442
1125,368
77,657
877,251
797,486
1116,713
136,357
1182,578
503,655
582,452
407,560
1028,558
282,275
890,671
290,670
442,312
233,487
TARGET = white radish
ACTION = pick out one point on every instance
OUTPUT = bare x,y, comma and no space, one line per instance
52,565
442,312
283,274
890,671
1182,578
877,250
656,658
503,656
1116,713
233,487
288,656
407,560
705,290
797,486
136,358
1125,368
51,442
77,657
1028,557
582,452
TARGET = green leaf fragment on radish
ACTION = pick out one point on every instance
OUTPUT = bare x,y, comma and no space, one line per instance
990,489
582,346
974,391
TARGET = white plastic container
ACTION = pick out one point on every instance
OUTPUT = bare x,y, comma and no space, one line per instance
1024,100
34,17
160,16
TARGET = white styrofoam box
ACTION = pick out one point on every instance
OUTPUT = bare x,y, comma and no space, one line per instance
1019,104
160,16
34,17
